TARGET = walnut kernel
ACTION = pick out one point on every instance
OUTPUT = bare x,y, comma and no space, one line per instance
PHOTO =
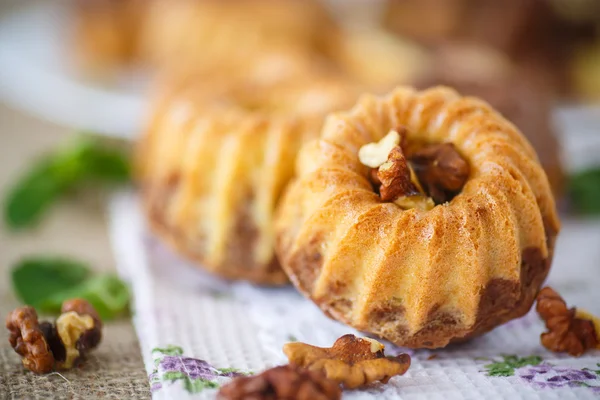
71,327
568,330
288,382
376,153
27,339
441,169
395,177
45,346
79,329
351,361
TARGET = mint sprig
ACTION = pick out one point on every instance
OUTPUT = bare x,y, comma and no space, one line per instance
46,282
52,176
584,191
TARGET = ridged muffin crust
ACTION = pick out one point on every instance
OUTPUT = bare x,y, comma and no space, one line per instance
419,278
215,160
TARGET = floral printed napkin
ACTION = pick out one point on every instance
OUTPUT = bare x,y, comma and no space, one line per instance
197,332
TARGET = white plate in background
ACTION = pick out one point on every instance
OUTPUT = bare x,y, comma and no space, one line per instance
37,76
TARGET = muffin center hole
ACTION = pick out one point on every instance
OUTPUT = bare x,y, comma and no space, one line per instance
414,175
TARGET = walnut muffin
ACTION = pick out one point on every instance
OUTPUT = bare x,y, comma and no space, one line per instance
422,217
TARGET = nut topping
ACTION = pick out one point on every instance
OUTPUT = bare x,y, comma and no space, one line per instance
27,339
568,330
374,154
441,169
392,174
352,361
395,177
288,382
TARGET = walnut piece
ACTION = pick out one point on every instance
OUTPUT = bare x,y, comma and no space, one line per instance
352,361
79,329
441,169
374,154
288,382
92,338
395,177
45,346
568,330
398,183
27,339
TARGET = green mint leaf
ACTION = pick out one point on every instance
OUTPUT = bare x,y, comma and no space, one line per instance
36,278
105,163
27,200
55,174
584,190
107,293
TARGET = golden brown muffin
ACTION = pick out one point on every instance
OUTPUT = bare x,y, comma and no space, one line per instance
215,160
419,277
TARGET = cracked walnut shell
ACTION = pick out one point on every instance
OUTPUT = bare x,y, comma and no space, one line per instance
288,382
27,339
569,330
351,361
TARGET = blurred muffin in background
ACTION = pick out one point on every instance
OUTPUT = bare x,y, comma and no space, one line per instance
379,59
106,33
217,155
537,34
195,35
200,34
516,92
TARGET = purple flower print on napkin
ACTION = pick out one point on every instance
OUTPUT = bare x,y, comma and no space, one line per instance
195,374
549,376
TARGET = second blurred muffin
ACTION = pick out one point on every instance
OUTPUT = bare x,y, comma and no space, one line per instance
216,158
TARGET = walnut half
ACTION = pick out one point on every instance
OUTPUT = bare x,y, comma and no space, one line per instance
45,346
288,382
569,330
351,361
79,329
441,169
27,339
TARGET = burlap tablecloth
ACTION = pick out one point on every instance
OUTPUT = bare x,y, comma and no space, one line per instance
76,228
